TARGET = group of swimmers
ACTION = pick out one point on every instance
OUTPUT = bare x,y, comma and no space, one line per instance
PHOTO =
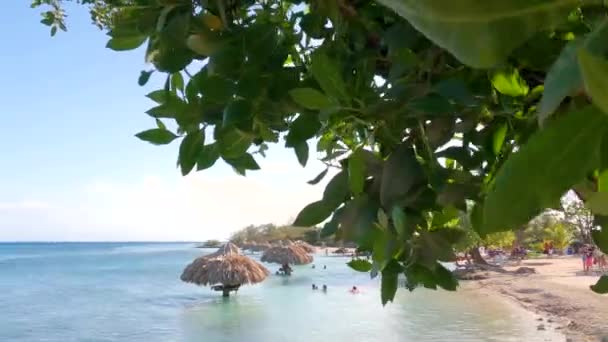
353,290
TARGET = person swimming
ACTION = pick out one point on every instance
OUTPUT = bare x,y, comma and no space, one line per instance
315,287
354,290
324,288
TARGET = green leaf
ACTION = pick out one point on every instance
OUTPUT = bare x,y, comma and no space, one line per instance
243,163
600,236
401,172
233,143
160,124
238,113
595,77
336,190
444,278
550,163
328,75
417,274
126,43
356,172
318,178
564,77
508,82
189,150
399,221
144,76
360,265
157,136
598,203
301,150
431,104
310,98
207,157
388,287
159,96
482,33
304,127
313,214
499,138
601,286
177,81
53,31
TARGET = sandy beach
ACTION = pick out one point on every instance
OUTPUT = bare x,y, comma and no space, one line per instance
558,293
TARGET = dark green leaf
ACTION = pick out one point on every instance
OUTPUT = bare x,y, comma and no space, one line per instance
601,286
356,172
327,74
433,246
417,274
399,221
454,89
595,78
550,163
189,150
313,214
144,76
207,157
301,150
177,81
302,129
310,98
238,113
360,265
388,287
126,43
444,278
401,172
233,143
600,236
243,163
53,31
159,96
160,124
482,33
564,77
357,221
431,104
157,136
318,178
598,203
336,190
508,82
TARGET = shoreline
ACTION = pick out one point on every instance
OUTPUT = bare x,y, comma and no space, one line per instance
557,294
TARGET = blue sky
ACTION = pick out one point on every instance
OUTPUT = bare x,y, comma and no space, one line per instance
71,168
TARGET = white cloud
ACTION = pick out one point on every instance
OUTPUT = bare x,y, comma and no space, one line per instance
24,205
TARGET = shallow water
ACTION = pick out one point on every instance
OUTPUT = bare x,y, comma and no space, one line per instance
132,292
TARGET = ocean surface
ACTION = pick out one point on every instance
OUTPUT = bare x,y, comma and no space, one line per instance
132,292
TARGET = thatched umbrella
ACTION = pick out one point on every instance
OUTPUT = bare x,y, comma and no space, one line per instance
287,255
306,246
341,250
226,271
228,248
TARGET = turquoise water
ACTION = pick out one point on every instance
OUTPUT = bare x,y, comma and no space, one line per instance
132,292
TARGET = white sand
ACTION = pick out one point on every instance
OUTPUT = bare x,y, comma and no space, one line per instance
559,290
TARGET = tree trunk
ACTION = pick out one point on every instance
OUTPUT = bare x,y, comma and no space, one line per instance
477,258
225,292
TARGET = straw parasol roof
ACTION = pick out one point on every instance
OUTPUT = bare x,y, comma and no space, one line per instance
262,246
228,248
306,246
226,267
231,270
287,255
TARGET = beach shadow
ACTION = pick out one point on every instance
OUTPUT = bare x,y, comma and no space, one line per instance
528,290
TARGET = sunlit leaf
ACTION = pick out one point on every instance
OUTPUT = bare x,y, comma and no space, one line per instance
552,161
482,33
310,98
360,265
509,82
595,77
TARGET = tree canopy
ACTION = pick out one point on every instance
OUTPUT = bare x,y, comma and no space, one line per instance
422,106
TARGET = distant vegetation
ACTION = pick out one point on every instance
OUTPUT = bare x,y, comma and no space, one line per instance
210,244
270,232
